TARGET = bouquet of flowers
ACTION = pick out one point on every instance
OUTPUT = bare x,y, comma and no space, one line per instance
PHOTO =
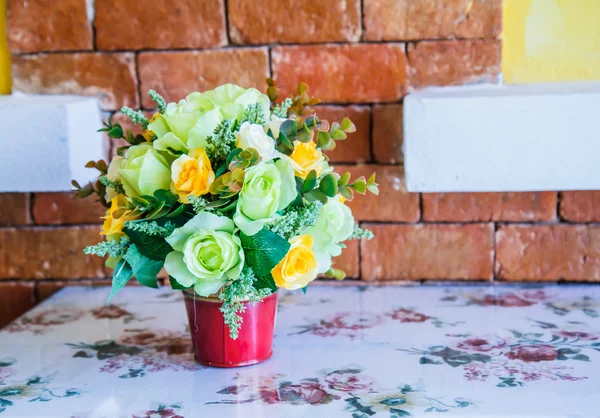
228,191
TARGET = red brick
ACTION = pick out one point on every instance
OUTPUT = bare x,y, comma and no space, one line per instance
343,73
176,74
388,135
289,21
48,25
348,261
41,253
413,252
111,77
357,147
548,252
159,24
457,207
14,209
61,208
431,19
447,63
580,206
394,203
15,300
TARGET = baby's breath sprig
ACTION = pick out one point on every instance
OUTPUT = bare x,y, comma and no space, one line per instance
295,220
360,233
233,296
151,227
113,248
200,204
158,99
117,186
136,117
254,114
222,141
281,110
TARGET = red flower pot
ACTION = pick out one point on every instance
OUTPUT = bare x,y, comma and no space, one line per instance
212,344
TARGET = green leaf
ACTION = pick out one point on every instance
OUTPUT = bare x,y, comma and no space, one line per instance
115,132
344,179
328,185
265,282
175,284
310,181
264,250
121,276
304,134
285,141
348,126
144,269
151,246
323,139
338,135
289,128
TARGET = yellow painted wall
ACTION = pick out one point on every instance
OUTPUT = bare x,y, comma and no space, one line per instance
5,81
551,40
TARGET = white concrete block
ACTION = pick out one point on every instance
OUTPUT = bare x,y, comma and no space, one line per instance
46,141
503,138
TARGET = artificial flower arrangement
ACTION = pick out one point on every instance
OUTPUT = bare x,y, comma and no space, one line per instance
230,193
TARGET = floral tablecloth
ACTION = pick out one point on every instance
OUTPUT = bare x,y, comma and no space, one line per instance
452,351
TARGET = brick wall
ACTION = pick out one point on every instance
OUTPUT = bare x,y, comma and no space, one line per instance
361,57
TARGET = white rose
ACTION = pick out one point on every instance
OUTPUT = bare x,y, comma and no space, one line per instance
254,136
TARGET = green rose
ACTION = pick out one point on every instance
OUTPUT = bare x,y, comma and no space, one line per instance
334,225
207,255
268,188
143,171
187,124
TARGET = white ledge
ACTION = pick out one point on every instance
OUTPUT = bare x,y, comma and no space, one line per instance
503,138
46,141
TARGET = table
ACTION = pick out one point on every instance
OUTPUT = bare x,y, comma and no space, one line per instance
357,352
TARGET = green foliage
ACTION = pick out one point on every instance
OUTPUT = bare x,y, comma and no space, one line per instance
151,246
222,141
121,276
113,248
328,185
281,110
254,114
336,274
309,182
113,130
229,184
360,233
151,227
242,159
144,269
137,117
264,250
162,203
97,188
295,220
337,132
360,185
117,186
158,99
233,297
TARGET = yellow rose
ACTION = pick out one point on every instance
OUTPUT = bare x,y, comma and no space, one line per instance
307,157
192,174
299,267
113,227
